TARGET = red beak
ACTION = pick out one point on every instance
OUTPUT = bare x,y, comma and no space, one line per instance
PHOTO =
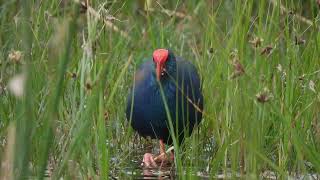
159,69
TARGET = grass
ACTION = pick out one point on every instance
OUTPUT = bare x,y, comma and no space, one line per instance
259,62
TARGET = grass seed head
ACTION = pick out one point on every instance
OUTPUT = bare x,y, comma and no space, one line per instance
83,7
16,85
301,78
211,50
237,66
279,68
264,96
266,50
15,56
238,69
88,85
312,86
256,42
299,41
73,75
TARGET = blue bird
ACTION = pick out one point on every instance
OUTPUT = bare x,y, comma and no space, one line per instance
165,80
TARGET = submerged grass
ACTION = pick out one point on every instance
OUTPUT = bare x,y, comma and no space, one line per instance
260,67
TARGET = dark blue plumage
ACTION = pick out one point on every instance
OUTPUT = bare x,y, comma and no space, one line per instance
181,86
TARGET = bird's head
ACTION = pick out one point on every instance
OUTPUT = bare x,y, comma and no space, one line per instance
164,61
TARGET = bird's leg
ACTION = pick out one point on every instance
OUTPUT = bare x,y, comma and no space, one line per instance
162,158
172,156
148,160
162,146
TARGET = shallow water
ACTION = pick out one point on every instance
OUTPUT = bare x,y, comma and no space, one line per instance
147,173
157,173
195,173
129,165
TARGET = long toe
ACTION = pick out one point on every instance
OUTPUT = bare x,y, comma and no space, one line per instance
148,161
163,159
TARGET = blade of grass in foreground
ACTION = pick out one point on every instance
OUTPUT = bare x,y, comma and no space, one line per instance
24,110
79,134
57,87
178,163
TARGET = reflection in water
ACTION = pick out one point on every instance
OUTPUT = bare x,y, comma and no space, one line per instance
157,174
149,173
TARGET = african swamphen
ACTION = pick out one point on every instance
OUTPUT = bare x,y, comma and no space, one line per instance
146,110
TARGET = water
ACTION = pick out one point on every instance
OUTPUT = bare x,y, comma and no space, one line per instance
157,173
129,164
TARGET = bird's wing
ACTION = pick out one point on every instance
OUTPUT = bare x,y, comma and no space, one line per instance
144,71
191,81
141,80
188,72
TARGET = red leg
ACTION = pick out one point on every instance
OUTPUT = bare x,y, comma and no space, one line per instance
162,147
163,157
172,156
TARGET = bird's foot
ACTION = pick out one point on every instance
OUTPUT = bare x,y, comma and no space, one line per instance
150,162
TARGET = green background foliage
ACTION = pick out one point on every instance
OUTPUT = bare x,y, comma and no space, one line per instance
259,63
